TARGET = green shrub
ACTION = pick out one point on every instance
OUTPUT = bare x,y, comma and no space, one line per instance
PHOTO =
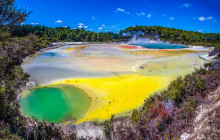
2,101
190,107
107,127
135,116
176,91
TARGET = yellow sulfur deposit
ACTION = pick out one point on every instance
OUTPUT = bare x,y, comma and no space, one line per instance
116,94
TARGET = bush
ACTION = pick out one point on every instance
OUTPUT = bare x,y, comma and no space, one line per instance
135,116
190,106
108,127
176,91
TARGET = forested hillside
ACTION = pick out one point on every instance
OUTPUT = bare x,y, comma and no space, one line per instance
63,34
171,35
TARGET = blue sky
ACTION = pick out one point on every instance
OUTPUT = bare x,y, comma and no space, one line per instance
114,15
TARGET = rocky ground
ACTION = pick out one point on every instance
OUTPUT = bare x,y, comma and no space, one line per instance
207,115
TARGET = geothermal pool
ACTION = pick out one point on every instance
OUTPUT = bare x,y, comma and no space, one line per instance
90,83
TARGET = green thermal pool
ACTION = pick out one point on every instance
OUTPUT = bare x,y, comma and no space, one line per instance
55,104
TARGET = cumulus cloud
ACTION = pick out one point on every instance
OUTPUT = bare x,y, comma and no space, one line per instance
59,21
185,5
94,18
201,18
100,28
140,14
149,15
164,15
103,25
120,10
171,18
34,23
210,17
80,24
199,30
205,18
90,29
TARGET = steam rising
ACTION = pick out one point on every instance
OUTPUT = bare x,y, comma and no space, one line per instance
154,42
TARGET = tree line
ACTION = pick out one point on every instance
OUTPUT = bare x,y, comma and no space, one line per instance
63,34
171,35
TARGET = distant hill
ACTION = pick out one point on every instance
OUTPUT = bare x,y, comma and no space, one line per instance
172,35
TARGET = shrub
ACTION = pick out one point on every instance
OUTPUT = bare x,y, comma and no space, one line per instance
176,91
190,106
108,127
2,102
159,111
135,116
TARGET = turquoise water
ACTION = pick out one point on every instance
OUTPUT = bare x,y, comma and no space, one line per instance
55,104
159,45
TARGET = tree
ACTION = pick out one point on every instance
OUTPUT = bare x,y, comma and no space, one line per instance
2,101
10,15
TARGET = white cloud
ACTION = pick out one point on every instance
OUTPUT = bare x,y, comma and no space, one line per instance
103,25
80,24
201,18
90,29
164,15
210,17
100,28
199,30
140,14
149,15
86,27
59,21
171,18
185,5
94,18
34,23
205,18
121,11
